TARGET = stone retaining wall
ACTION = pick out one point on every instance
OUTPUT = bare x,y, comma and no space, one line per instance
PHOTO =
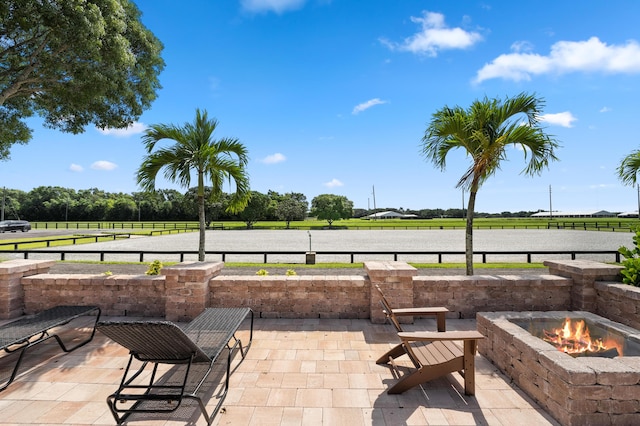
618,302
187,288
11,289
294,296
117,295
465,295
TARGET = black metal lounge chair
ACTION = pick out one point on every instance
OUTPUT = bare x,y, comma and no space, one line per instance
201,341
29,330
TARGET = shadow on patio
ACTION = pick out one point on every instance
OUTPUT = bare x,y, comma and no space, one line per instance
298,371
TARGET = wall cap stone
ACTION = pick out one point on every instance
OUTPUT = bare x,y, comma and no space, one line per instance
389,269
20,265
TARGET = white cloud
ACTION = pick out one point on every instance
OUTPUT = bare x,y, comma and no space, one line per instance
103,165
277,6
133,129
274,158
565,57
76,167
333,183
434,36
564,119
521,46
605,109
366,105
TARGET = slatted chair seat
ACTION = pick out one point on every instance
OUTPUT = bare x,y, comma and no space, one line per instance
201,342
435,354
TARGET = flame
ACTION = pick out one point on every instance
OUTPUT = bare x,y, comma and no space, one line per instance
575,338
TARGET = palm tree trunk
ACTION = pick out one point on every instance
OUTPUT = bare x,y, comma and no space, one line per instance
469,232
201,217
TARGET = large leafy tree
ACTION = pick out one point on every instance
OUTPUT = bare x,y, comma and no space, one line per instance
292,206
74,62
331,207
195,151
256,209
484,131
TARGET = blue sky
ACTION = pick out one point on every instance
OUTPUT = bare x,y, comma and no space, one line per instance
334,96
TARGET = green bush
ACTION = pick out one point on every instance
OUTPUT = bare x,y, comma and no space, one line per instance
290,272
631,263
154,268
262,272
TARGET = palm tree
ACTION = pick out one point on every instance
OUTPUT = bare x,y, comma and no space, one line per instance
629,168
196,151
484,131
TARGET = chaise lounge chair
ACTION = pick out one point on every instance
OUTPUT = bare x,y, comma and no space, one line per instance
201,341
433,354
30,330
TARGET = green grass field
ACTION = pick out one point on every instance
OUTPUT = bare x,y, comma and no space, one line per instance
609,224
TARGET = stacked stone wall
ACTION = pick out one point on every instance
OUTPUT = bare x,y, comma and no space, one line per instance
464,296
618,302
294,296
117,295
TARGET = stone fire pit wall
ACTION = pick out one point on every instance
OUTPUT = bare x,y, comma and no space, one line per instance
575,391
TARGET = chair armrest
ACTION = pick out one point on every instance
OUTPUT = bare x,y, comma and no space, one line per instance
440,335
420,311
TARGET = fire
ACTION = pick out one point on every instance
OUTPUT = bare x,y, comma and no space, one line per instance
575,338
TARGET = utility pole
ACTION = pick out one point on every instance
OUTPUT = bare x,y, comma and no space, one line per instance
4,189
374,201
550,209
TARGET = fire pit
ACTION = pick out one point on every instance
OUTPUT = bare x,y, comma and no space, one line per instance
581,337
597,387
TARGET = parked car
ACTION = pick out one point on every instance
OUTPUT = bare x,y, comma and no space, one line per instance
14,225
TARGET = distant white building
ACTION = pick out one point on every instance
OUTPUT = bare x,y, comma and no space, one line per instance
584,213
386,215
391,215
628,214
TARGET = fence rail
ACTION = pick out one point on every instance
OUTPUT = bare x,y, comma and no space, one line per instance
615,226
612,255
83,239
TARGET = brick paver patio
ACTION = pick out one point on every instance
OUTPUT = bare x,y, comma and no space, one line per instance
297,372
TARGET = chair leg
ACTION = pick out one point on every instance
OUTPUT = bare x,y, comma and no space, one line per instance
393,353
469,349
425,374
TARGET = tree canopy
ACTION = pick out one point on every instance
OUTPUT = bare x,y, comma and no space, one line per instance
74,63
484,131
196,151
629,168
331,207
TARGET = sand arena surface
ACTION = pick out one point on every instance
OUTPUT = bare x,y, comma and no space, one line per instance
270,241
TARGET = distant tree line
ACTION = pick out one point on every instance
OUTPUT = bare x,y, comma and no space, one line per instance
54,203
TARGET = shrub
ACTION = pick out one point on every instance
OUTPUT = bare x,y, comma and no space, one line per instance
154,268
107,273
290,272
631,263
262,272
